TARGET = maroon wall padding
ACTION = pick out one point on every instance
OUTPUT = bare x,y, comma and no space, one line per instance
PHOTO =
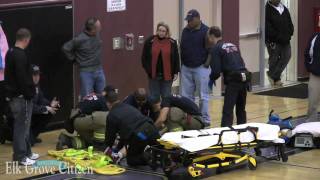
123,68
305,30
230,21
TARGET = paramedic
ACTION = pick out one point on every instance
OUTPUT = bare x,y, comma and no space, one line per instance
135,129
227,59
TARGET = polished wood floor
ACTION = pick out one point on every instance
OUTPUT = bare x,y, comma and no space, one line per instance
304,165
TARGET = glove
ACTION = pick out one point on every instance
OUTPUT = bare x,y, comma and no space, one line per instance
211,83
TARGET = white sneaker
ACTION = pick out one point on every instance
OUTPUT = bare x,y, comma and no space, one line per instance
27,162
34,156
278,83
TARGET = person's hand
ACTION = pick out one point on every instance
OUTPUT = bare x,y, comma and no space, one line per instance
108,151
210,84
51,110
54,103
175,77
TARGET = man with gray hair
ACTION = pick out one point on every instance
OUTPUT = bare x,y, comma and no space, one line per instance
86,50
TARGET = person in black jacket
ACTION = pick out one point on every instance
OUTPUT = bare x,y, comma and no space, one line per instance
160,60
312,63
279,29
20,90
42,110
140,100
226,59
135,130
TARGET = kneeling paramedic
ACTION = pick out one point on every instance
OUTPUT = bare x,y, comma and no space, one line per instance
226,59
135,130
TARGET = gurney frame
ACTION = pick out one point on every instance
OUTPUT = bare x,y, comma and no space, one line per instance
169,156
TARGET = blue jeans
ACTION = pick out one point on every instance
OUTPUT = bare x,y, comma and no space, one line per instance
197,79
159,88
21,110
92,82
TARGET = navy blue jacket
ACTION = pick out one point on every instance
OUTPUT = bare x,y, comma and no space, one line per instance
312,63
225,58
193,46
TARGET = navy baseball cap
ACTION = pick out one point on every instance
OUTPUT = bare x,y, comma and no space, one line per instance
191,14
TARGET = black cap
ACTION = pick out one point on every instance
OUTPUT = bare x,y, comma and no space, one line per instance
191,14
35,69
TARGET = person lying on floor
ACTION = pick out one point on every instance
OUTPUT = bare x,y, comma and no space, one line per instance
136,130
178,113
42,110
88,120
140,100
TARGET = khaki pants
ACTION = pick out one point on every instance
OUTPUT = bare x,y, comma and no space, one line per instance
91,127
314,97
179,121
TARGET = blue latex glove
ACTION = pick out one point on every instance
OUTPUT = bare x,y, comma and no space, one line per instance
211,83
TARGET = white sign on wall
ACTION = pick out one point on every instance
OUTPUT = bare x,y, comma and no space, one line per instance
116,5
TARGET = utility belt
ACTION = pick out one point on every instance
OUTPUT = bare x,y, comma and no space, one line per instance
242,76
146,131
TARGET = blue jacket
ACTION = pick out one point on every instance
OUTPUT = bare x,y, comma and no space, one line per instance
193,46
312,56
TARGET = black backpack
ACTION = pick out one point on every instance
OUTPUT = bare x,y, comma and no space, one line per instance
313,63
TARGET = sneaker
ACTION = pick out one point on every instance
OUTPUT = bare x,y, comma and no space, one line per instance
27,162
34,156
270,80
278,83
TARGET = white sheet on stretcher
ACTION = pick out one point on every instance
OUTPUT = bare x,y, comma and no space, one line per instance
266,132
312,128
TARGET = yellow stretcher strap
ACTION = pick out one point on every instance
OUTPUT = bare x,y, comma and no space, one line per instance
99,136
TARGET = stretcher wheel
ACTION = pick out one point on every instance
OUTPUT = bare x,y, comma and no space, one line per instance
252,163
258,151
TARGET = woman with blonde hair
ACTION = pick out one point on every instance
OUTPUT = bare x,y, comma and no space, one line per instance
161,61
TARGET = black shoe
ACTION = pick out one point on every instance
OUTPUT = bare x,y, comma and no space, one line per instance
64,142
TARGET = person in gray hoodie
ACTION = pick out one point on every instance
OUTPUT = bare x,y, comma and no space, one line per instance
85,49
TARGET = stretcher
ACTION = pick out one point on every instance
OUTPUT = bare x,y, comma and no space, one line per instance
215,148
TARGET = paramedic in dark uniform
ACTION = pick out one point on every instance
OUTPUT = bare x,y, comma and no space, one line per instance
178,101
140,100
226,59
135,130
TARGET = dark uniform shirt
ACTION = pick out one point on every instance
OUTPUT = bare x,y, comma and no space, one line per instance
225,58
181,102
123,119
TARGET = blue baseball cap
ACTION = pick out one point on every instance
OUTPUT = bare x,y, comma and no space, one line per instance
191,14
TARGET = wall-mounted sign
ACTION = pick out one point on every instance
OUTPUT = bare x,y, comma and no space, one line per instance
116,5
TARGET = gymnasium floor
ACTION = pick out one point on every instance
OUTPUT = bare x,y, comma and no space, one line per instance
305,165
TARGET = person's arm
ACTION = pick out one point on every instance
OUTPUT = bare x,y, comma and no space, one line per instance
42,100
69,49
291,27
215,64
162,117
144,58
38,108
111,130
176,56
23,77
